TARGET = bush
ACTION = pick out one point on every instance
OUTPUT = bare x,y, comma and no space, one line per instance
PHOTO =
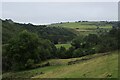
29,63
77,53
61,52
92,51
92,39
69,52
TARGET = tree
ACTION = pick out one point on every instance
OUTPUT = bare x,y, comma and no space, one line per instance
26,49
77,42
92,39
77,53
62,52
21,48
70,51
29,63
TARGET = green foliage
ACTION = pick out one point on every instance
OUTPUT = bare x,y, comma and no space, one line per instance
77,42
109,44
115,32
58,35
61,52
26,49
110,40
106,41
54,34
92,39
70,51
77,53
29,63
21,48
9,30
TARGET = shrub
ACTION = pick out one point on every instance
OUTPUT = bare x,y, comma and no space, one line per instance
29,63
77,53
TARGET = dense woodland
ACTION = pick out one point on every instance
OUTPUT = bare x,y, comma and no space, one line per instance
53,34
26,44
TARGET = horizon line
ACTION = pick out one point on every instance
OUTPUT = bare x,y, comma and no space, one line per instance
58,21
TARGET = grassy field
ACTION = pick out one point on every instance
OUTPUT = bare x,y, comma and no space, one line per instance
98,66
67,46
81,25
83,28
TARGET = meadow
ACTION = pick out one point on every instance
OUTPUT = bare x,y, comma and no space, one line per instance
81,25
98,66
84,28
67,46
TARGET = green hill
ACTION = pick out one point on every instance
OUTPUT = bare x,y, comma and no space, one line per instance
54,34
85,28
102,65
83,25
59,32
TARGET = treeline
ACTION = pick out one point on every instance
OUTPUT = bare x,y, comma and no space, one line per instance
54,34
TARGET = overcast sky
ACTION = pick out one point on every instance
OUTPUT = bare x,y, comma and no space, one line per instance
60,0
46,12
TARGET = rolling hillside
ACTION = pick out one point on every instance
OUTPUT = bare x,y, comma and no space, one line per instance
54,34
84,28
83,25
102,65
